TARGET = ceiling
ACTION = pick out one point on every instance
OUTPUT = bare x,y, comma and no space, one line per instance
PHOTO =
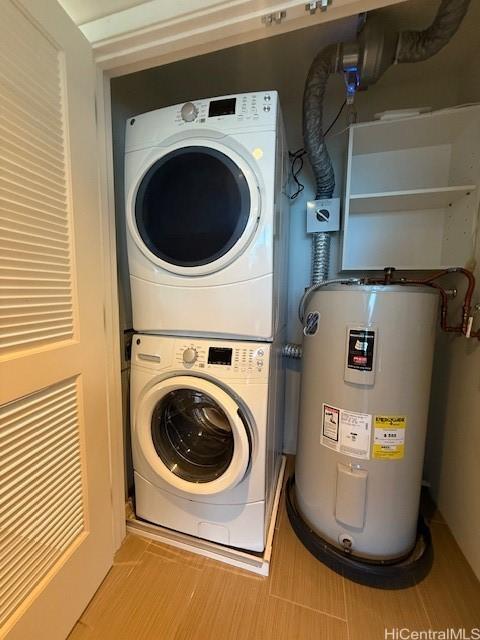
82,11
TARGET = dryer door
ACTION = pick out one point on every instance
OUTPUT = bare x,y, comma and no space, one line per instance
193,435
195,209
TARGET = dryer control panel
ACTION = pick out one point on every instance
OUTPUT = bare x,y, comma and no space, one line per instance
256,111
246,107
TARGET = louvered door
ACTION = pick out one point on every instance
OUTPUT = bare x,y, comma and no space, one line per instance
55,507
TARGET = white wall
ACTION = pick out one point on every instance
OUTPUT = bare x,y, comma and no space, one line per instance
454,433
281,63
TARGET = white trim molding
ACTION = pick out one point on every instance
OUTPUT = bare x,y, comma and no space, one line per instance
111,309
159,32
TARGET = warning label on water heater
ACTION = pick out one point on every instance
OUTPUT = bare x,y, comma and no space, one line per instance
361,346
346,431
389,439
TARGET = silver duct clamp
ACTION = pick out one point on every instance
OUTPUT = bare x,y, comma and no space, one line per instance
323,215
350,69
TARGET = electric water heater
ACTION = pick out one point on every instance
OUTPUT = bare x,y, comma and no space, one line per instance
367,364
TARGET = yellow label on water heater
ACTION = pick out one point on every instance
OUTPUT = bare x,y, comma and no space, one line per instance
389,437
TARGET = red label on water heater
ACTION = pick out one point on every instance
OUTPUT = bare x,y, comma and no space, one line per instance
361,345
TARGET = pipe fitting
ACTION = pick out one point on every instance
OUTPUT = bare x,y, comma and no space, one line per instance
292,350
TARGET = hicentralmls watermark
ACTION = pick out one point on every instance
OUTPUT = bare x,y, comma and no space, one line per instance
403,633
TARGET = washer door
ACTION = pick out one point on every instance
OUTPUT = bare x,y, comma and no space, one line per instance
196,208
192,435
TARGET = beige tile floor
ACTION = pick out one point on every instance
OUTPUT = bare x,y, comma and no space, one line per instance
155,592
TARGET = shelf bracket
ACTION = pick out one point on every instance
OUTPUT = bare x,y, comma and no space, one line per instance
313,5
275,17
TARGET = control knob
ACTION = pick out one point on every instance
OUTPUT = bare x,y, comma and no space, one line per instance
190,355
189,112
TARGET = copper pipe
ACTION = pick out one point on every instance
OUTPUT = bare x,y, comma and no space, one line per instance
430,282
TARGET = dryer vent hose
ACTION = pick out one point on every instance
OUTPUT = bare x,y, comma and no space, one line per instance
415,46
320,70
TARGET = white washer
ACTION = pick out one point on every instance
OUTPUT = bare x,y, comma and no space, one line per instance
207,420
206,217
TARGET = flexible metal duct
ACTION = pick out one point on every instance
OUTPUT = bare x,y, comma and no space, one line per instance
415,46
376,52
292,350
320,257
321,68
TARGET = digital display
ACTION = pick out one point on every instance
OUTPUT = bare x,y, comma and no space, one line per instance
219,355
221,107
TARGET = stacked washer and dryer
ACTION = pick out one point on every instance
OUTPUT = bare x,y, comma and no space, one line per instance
206,210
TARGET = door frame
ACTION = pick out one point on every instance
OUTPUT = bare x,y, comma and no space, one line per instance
111,303
132,51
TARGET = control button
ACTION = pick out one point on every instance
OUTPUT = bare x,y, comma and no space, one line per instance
266,107
266,98
189,355
259,363
189,112
260,353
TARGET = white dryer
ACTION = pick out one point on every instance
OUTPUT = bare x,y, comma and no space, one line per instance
206,217
207,419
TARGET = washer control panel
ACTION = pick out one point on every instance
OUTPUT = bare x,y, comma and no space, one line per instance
228,359
235,360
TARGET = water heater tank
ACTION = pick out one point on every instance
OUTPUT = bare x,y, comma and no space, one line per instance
367,364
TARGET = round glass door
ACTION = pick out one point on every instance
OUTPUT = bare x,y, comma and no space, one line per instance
192,435
192,206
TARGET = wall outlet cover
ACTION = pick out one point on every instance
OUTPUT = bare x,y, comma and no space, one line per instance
323,215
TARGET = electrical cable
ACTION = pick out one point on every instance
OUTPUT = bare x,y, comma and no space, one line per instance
296,168
335,119
319,285
297,157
